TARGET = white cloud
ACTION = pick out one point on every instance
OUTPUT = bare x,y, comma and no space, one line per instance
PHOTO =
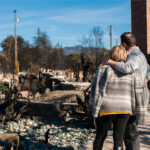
27,14
5,26
53,28
115,15
55,21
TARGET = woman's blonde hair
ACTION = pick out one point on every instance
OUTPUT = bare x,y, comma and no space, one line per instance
118,53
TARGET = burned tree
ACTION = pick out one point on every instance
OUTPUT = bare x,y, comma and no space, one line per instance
8,49
41,49
93,41
85,107
93,52
9,109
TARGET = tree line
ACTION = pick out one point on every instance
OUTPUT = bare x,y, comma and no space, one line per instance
41,53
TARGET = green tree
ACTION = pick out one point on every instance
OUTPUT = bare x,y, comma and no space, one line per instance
73,62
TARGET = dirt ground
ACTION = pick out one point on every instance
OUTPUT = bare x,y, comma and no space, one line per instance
144,132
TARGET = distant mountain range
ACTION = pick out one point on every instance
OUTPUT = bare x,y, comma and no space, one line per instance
71,50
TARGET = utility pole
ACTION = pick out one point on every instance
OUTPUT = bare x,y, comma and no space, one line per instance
116,41
110,33
16,53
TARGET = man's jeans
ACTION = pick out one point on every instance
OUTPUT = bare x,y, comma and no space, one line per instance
131,136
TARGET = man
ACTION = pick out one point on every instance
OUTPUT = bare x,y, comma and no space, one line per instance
136,61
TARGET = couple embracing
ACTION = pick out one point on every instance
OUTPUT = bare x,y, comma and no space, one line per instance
119,95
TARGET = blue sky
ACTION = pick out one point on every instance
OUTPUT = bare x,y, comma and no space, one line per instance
65,21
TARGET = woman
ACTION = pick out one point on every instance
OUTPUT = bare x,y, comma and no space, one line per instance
114,97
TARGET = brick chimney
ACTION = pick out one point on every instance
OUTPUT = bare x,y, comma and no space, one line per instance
140,15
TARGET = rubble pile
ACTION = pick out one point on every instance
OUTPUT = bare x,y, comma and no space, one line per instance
49,81
59,96
5,79
53,100
62,135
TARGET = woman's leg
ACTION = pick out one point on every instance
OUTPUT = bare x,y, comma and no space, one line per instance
103,125
119,125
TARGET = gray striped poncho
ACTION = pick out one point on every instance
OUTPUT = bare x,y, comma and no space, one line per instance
117,92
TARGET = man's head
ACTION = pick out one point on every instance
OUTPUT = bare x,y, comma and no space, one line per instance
128,40
118,53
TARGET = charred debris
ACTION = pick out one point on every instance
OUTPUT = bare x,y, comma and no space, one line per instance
11,96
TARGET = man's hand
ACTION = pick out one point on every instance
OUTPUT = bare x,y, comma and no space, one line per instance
94,122
112,63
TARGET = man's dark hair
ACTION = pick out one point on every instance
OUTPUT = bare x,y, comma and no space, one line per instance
128,38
